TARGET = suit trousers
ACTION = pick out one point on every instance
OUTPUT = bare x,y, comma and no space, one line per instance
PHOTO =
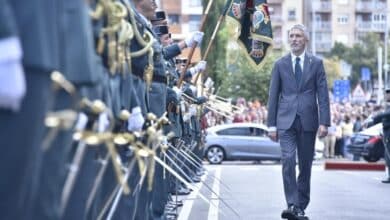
21,134
295,141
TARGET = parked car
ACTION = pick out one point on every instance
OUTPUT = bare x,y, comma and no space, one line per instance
240,141
368,144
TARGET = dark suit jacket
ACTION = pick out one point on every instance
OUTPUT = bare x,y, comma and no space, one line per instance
309,99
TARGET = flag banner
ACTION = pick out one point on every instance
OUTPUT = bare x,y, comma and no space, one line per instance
254,27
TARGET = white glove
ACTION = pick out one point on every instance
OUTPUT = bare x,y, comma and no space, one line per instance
209,83
186,117
195,37
201,66
81,122
103,122
12,80
136,120
177,91
192,110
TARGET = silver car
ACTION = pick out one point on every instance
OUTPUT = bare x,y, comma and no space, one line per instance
240,141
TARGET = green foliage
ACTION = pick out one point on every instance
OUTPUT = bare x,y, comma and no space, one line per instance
332,69
246,80
362,54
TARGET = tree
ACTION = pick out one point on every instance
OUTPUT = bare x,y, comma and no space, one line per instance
362,54
246,80
332,69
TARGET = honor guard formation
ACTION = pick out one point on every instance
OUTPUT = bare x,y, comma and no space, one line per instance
100,118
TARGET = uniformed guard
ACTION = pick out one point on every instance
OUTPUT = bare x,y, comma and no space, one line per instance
25,31
384,118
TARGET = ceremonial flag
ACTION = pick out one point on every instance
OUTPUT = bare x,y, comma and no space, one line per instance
254,27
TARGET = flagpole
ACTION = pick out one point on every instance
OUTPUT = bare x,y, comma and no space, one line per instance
216,29
190,55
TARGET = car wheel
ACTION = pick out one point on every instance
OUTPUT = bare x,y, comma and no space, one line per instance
215,155
371,158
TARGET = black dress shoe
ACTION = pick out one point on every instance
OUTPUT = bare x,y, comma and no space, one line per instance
300,214
289,213
386,180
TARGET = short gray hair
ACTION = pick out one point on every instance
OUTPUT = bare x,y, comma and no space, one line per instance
302,28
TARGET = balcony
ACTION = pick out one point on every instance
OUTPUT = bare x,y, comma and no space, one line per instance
369,7
322,26
323,46
368,26
321,6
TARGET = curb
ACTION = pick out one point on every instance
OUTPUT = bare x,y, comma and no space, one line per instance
351,165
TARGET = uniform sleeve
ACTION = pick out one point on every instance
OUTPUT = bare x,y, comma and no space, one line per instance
171,51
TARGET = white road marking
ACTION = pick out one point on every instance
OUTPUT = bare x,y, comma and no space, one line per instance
189,201
213,210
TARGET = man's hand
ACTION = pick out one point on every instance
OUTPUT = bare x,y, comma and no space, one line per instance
322,131
273,135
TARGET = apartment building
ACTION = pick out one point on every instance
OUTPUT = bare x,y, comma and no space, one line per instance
284,14
184,17
344,21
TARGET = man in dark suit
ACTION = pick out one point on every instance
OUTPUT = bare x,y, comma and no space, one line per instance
298,106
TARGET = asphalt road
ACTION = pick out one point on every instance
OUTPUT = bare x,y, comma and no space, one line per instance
243,190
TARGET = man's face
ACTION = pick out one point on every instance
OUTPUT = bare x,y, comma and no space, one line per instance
297,41
165,40
147,8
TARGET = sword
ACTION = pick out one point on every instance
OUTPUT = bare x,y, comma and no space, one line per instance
71,178
212,191
117,193
97,181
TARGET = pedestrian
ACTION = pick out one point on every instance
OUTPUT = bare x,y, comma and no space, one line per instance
298,106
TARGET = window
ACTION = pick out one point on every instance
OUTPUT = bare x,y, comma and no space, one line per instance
195,3
378,18
342,2
342,19
257,132
235,131
194,22
243,131
291,15
173,19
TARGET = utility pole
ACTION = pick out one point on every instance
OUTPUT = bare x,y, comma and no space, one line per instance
380,81
313,32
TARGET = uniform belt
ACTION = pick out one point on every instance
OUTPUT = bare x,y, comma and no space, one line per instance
160,79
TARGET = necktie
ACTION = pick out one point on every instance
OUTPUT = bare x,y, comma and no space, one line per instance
298,70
